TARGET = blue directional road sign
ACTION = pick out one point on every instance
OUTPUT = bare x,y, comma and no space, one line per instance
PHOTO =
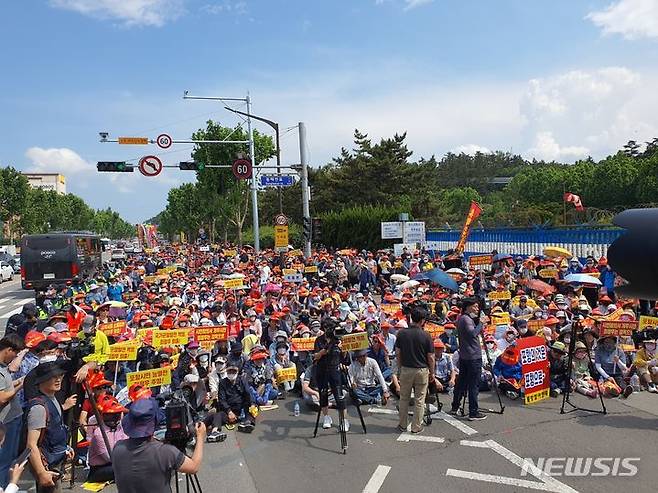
277,180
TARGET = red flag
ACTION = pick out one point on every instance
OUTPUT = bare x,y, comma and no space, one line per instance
473,214
575,200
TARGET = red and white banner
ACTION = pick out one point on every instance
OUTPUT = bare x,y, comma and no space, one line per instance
533,355
575,200
473,214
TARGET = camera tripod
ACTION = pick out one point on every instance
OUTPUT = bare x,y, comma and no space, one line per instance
191,482
341,412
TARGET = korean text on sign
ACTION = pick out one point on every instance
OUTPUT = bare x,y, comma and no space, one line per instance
150,378
303,343
286,374
125,351
208,336
618,328
533,355
176,337
354,342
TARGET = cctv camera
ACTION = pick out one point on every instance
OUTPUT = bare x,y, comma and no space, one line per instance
103,135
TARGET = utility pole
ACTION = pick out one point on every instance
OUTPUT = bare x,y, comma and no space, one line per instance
306,212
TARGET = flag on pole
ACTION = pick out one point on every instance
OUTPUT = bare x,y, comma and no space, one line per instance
473,214
575,200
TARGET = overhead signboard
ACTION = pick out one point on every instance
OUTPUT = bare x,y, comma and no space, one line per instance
414,232
391,230
277,180
133,140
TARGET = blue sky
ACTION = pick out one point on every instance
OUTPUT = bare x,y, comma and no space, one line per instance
553,79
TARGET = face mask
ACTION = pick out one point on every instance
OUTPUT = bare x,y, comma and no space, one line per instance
48,358
281,351
510,338
192,352
473,315
490,345
567,341
523,330
449,332
348,329
232,376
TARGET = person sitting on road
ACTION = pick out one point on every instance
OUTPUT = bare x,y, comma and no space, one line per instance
581,372
367,380
610,362
99,457
234,403
646,365
235,357
558,367
260,377
507,371
281,360
444,371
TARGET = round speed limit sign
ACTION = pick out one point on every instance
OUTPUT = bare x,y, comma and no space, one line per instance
242,169
163,141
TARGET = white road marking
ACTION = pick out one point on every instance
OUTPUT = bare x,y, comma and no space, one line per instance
15,311
548,483
451,420
377,479
406,437
23,301
377,410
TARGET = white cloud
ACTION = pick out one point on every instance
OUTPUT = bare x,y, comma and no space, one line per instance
226,7
470,149
128,12
412,4
546,148
57,160
581,112
633,19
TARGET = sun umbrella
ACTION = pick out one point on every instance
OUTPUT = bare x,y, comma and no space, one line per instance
439,277
556,251
114,304
399,278
410,284
541,286
582,279
236,275
272,288
502,256
456,270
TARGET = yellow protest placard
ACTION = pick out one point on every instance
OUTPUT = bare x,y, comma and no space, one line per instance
289,272
233,284
286,375
499,295
113,328
618,328
280,238
354,342
124,351
501,318
150,378
151,279
391,308
176,337
295,253
434,329
646,321
145,333
230,253
616,314
310,269
480,260
535,325
208,336
303,343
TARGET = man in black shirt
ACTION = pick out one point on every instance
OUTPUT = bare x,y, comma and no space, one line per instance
327,360
415,355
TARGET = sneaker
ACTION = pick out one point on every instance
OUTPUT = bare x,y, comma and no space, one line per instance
652,388
454,412
512,395
555,392
246,427
627,391
327,422
478,417
346,426
216,436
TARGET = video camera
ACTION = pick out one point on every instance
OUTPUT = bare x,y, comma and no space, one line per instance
78,349
180,424
648,334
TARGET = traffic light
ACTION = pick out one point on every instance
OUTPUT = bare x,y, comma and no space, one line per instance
307,229
114,166
191,166
317,230
634,255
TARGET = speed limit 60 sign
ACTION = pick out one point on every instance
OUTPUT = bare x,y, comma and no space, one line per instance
163,141
242,169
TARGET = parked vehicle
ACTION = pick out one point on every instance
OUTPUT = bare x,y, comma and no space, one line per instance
6,271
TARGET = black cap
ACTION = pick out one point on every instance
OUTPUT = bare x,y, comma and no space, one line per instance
466,302
30,309
46,371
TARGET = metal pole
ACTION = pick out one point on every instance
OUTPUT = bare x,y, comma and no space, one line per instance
306,212
278,164
254,188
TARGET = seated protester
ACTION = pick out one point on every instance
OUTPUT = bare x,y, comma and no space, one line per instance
141,463
507,370
260,377
250,339
234,404
646,365
215,376
379,353
367,380
280,360
558,368
609,361
509,338
443,370
235,357
581,372
449,337
280,336
47,435
99,457
310,392
187,363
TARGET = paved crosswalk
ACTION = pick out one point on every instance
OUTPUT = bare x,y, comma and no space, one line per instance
10,305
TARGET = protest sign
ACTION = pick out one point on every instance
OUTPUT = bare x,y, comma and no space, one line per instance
233,284
145,333
286,374
617,328
303,343
310,269
434,329
501,318
480,260
499,295
615,315
535,325
176,337
391,308
533,355
230,253
124,351
295,253
151,279
150,378
113,328
549,273
207,336
646,321
354,342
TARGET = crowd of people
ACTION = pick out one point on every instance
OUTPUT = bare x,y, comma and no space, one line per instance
280,325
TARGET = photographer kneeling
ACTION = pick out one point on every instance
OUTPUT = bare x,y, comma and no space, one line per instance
144,464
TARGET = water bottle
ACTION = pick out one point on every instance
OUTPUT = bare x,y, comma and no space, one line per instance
635,383
296,409
379,400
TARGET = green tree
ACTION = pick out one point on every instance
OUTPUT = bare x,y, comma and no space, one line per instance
14,189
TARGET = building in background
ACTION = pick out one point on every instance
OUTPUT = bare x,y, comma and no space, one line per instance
47,181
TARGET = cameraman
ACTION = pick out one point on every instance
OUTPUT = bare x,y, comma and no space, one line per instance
469,327
327,360
414,351
144,464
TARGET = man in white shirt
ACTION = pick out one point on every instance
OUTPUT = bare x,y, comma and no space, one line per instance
367,379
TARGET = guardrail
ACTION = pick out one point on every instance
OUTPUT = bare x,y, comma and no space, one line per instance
580,241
